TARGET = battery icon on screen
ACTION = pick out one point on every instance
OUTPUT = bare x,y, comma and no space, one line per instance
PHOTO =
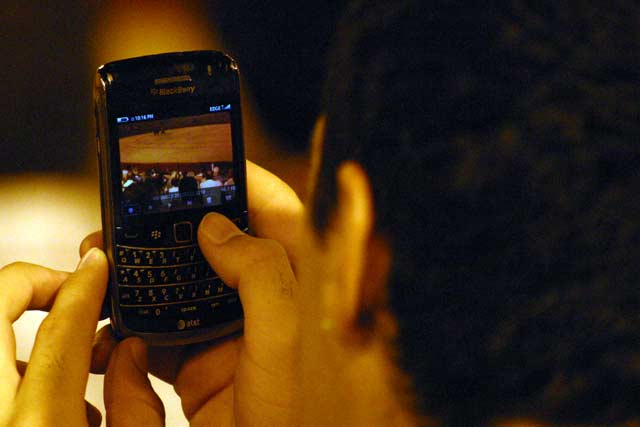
122,119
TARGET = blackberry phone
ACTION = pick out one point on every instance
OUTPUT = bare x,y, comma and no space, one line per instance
170,150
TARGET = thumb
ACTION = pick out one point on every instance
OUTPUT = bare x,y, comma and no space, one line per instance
260,270
128,396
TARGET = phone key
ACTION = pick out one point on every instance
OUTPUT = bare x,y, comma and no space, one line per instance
179,293
137,276
205,289
193,254
143,311
188,308
177,256
208,271
159,311
178,276
225,312
125,296
184,274
163,276
192,291
123,276
123,256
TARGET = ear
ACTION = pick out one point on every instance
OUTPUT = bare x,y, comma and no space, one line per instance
361,258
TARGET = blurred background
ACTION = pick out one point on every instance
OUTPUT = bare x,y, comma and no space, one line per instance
49,51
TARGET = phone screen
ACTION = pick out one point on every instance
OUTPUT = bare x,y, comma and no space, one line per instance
176,163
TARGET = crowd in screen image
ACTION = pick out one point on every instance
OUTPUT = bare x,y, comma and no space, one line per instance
139,183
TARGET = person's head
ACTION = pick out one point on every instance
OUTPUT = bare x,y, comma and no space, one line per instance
475,218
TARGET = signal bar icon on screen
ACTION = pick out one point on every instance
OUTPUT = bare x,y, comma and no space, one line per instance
214,108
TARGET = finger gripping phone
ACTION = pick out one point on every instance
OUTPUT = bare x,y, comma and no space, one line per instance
170,150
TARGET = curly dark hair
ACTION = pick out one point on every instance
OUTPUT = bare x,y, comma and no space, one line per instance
501,139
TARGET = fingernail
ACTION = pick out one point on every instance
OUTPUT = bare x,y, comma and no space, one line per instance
87,258
217,229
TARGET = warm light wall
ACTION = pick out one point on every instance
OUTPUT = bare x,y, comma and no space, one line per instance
126,29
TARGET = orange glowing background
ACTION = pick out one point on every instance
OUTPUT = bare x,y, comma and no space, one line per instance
127,29
37,207
46,215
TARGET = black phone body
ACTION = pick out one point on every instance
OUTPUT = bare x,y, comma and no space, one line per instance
170,151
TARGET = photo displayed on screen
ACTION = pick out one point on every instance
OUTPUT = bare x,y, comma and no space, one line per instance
177,163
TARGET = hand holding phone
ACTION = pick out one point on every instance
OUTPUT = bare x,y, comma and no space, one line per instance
204,375
170,150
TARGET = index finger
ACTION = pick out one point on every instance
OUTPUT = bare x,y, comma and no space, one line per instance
22,287
26,286
57,374
93,240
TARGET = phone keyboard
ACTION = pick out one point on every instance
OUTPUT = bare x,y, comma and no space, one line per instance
171,289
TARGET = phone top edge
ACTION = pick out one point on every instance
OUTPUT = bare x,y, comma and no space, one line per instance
167,58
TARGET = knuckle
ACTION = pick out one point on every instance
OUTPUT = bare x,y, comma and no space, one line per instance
53,363
269,250
270,259
14,268
266,255
52,327
47,327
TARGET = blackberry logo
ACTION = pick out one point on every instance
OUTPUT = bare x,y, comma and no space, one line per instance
173,90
